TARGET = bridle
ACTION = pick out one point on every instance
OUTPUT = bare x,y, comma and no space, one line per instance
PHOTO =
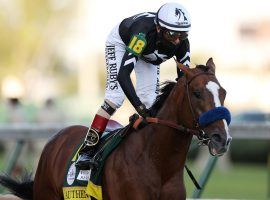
202,136
198,131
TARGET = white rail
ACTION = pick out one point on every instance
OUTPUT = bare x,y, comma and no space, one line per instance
43,131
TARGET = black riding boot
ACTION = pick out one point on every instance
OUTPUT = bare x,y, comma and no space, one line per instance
85,159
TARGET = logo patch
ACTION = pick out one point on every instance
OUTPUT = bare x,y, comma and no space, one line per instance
111,65
84,175
137,44
75,193
178,13
71,174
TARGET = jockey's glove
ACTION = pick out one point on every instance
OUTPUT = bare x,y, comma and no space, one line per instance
143,111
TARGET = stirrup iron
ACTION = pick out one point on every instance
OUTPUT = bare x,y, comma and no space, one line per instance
92,137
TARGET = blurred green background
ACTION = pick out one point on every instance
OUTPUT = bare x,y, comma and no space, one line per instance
240,182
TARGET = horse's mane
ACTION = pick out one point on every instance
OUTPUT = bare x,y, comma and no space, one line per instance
164,91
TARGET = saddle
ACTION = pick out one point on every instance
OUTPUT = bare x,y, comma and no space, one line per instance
113,131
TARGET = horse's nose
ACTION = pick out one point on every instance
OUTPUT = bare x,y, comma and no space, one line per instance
217,145
221,140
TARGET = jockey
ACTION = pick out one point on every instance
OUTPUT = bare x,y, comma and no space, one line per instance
141,42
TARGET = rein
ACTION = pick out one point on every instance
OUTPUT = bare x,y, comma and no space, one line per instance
202,136
172,125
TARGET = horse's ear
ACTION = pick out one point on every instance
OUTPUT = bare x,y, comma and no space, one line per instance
210,63
182,67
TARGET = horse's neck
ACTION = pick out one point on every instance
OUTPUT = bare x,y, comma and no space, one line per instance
169,146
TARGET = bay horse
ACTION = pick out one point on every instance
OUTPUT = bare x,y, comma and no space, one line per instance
149,163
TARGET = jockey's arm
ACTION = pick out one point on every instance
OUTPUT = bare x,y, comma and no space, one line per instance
128,62
183,56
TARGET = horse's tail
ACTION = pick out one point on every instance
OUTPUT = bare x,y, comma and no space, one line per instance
21,188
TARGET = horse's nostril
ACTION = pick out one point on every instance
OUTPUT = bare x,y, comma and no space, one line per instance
216,138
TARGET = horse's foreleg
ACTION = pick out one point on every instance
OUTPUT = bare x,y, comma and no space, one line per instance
122,183
129,192
174,188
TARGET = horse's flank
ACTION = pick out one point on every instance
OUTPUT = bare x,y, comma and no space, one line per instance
53,161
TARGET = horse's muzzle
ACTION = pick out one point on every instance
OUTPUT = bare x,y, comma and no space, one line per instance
218,145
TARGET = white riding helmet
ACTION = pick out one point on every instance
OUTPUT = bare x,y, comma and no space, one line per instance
174,17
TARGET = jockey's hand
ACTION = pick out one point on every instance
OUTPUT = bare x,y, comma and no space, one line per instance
143,111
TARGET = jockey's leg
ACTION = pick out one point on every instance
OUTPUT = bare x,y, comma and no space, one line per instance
147,82
114,95
94,133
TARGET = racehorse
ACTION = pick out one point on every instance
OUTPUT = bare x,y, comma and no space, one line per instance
149,163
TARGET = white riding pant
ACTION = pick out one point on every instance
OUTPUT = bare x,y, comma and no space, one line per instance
147,74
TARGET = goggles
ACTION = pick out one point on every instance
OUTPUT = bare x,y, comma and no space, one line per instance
172,35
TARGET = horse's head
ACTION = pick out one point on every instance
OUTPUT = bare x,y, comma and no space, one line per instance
203,104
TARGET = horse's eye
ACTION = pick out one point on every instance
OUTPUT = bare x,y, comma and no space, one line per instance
197,94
